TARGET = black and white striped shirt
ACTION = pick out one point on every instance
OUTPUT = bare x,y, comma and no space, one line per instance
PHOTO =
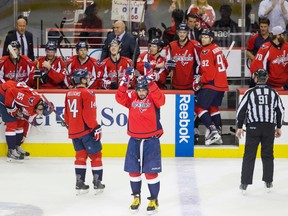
260,104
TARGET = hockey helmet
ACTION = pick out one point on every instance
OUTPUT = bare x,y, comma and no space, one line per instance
15,44
80,45
183,27
78,74
47,110
262,75
141,83
51,45
158,42
208,32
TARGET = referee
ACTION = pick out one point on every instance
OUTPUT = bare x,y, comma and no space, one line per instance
262,109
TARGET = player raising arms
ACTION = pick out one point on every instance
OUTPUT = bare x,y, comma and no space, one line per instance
143,154
80,116
211,86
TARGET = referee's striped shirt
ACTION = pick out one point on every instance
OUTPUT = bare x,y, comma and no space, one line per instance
260,104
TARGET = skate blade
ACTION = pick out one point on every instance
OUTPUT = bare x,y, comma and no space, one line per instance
152,212
134,211
268,190
11,160
98,191
243,192
209,142
81,192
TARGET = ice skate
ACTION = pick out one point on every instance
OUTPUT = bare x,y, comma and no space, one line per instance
21,151
14,156
81,187
98,186
243,188
134,208
220,141
268,186
196,135
213,136
152,207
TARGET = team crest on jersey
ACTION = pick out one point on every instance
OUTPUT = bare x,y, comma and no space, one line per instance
204,52
143,105
30,100
264,47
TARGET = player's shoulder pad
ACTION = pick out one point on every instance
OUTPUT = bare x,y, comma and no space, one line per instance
3,59
204,52
265,45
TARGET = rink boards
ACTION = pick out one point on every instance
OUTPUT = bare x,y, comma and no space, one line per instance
49,138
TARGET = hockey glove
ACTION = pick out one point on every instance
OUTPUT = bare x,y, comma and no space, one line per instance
147,65
196,83
170,64
114,85
128,75
12,111
98,133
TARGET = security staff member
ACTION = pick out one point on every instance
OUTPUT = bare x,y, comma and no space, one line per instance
261,107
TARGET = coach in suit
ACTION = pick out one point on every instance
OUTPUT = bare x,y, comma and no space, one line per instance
128,42
24,37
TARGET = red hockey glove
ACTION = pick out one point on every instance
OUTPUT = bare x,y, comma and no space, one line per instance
98,133
12,111
196,83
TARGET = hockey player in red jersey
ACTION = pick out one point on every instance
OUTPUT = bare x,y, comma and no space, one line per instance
19,104
144,128
153,60
18,68
80,116
210,86
51,69
83,61
185,53
273,57
114,67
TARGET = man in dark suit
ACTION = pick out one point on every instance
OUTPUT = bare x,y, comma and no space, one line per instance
24,37
194,30
130,48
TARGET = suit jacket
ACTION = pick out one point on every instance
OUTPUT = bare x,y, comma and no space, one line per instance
11,36
128,46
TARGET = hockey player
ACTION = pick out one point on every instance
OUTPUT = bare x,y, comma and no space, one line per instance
16,67
143,154
114,67
83,61
51,69
152,60
185,53
272,56
19,104
211,86
80,116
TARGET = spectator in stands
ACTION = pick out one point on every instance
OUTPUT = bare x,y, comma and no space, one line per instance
152,62
83,61
250,24
194,30
175,4
276,11
24,37
90,21
204,12
130,47
51,69
114,67
224,27
272,56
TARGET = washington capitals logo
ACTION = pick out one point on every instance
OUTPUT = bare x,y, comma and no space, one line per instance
142,105
204,52
282,59
30,100
183,58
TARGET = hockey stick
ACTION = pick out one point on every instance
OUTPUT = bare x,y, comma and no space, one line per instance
11,50
230,48
53,108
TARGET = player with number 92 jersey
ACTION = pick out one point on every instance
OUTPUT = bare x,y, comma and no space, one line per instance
80,123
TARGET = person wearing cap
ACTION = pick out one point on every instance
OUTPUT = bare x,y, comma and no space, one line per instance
19,107
210,86
83,61
185,54
143,154
276,11
272,56
50,69
16,67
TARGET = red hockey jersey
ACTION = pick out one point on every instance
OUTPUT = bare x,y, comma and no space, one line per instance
21,96
80,112
114,71
274,59
213,68
91,64
187,63
144,115
24,71
56,74
162,72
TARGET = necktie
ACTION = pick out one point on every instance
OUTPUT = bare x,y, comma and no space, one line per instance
191,35
22,44
117,38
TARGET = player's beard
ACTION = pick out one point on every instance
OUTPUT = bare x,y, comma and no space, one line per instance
281,40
